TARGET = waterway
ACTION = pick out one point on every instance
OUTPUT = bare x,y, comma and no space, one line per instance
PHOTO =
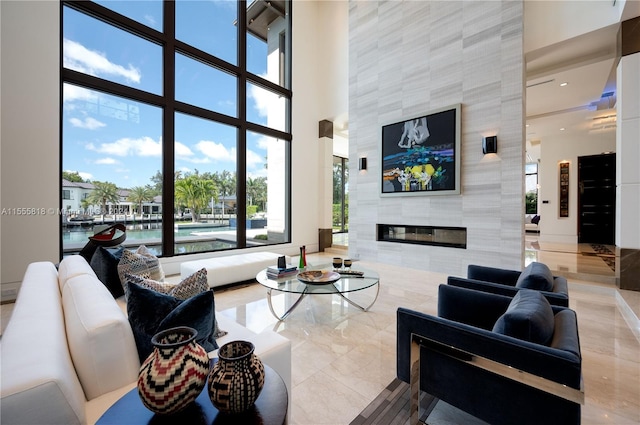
190,237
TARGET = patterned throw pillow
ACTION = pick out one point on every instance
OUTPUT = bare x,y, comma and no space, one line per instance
150,312
190,287
140,263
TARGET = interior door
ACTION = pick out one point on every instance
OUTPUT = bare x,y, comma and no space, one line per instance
597,199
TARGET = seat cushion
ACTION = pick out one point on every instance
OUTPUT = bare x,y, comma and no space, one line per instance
529,317
151,312
536,276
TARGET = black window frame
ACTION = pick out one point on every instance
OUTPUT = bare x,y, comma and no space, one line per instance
170,106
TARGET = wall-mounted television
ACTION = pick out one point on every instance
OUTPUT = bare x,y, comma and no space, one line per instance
421,156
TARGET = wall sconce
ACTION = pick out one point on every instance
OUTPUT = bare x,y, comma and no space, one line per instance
490,144
362,164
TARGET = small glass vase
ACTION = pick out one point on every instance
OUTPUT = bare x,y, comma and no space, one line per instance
175,373
237,378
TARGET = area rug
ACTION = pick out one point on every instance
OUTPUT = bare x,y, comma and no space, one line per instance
391,407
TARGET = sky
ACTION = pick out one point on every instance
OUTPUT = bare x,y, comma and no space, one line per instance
108,138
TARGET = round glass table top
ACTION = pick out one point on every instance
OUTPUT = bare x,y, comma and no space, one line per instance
346,283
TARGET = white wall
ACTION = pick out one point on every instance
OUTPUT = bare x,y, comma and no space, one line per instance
554,150
550,22
30,151
29,126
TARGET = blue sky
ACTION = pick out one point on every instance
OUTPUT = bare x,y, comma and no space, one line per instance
108,138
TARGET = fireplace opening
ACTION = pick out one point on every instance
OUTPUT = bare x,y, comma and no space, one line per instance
452,237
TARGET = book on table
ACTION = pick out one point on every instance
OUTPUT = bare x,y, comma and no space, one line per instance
277,273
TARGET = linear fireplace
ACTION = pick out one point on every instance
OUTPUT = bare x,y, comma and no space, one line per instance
452,237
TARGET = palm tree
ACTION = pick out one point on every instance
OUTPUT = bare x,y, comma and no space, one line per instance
195,193
226,183
140,194
102,193
257,191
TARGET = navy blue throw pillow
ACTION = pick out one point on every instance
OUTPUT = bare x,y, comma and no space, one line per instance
536,276
151,312
104,263
529,317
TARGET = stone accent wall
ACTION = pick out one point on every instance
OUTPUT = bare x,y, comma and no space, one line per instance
407,59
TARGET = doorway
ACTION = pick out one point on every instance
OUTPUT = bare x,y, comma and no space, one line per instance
340,211
597,199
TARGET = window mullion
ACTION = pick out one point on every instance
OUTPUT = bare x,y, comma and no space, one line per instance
168,131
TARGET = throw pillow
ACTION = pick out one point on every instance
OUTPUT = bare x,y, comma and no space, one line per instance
536,276
140,263
151,312
189,287
105,265
529,317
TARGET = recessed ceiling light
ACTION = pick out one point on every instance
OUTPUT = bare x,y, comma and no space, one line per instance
562,129
563,84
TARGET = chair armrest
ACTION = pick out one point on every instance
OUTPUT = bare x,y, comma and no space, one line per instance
492,274
554,364
557,297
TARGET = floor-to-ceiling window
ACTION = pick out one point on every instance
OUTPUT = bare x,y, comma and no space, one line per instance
176,122
340,196
531,188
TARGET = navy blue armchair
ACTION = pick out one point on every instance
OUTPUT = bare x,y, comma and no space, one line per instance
469,358
508,282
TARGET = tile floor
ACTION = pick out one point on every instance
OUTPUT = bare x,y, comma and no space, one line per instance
343,357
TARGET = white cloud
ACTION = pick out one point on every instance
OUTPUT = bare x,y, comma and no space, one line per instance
71,93
150,20
254,160
216,151
182,150
79,58
88,123
263,99
86,176
107,161
144,146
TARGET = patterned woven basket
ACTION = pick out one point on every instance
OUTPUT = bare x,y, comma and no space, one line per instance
175,372
236,379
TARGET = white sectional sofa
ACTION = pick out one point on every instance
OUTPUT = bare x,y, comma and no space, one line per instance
68,351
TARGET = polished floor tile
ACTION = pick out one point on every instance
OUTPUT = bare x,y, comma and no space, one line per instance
343,357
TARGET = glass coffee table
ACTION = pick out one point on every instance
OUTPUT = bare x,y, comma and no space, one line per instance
327,283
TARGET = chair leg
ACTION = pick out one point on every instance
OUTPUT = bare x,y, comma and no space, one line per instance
417,397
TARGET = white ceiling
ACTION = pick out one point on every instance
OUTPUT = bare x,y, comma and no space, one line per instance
587,63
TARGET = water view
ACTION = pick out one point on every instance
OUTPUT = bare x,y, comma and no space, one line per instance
190,237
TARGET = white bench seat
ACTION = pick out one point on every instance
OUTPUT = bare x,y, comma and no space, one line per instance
232,268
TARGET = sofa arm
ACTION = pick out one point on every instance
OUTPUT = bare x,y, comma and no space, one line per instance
39,384
492,274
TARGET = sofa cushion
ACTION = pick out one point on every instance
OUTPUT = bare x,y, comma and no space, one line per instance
71,266
141,263
105,264
187,288
529,317
99,336
536,276
151,312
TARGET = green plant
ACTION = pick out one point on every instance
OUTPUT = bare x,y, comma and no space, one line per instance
531,203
